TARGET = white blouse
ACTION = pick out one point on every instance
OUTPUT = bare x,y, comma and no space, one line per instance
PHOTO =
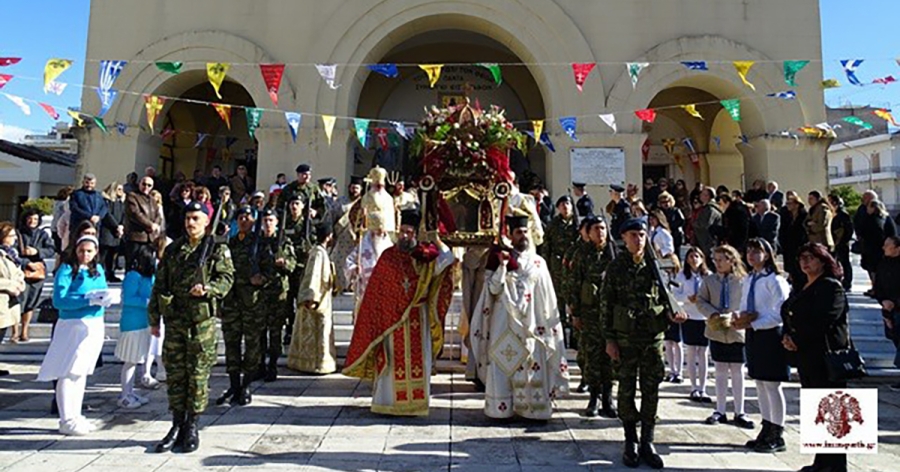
662,240
687,288
770,292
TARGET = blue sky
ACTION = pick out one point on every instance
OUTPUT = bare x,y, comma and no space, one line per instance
37,30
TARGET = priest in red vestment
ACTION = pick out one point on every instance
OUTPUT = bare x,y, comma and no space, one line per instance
399,329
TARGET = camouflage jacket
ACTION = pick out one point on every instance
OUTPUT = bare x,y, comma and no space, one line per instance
588,271
243,258
568,292
308,191
295,232
632,308
560,236
276,283
177,273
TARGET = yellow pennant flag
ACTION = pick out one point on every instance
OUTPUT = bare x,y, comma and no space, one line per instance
830,83
742,68
224,112
53,69
328,122
538,129
154,107
216,72
433,71
692,110
75,116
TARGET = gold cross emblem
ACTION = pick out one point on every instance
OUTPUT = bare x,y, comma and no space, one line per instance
509,353
406,285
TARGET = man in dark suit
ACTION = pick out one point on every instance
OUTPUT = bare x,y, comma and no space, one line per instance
766,223
619,208
584,206
775,196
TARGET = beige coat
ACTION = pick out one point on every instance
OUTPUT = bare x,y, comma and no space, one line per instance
818,225
11,280
709,302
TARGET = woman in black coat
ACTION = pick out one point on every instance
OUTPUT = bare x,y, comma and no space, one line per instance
887,292
112,229
35,245
792,235
815,319
877,226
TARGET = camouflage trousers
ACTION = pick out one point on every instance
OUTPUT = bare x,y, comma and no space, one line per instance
241,324
642,361
598,367
189,354
272,309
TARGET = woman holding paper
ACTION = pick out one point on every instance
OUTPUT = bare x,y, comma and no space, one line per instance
79,293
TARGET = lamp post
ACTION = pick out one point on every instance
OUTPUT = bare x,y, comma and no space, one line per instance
868,160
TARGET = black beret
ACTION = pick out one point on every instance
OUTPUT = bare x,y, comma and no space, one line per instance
578,184
296,197
244,210
517,221
268,212
617,188
196,206
356,180
410,217
588,221
563,199
633,224
303,168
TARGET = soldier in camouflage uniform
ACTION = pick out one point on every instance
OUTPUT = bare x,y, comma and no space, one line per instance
240,316
295,232
588,270
561,234
185,295
303,186
276,263
570,293
633,313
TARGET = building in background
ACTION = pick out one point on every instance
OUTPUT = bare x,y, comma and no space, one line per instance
28,172
59,139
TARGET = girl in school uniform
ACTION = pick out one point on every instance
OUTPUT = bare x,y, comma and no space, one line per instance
134,328
662,241
79,333
719,300
689,281
764,291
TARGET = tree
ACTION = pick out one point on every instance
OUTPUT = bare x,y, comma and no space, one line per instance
852,198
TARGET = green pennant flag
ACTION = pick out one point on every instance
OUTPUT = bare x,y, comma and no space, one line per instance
790,71
362,130
858,122
393,140
170,67
495,71
253,117
734,108
100,124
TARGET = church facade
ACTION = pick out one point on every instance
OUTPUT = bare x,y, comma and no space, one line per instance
534,41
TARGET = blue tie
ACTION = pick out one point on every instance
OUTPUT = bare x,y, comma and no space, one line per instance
751,295
724,297
696,284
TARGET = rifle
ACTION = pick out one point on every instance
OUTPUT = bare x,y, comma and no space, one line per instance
207,244
672,307
254,250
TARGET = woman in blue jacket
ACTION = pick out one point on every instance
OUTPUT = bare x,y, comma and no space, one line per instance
78,337
134,328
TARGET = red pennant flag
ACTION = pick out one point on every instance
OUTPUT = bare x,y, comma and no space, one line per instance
645,150
4,79
382,134
647,114
166,133
581,71
50,110
224,112
8,61
885,80
272,74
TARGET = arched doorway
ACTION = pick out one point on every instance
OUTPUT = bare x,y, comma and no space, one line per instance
405,97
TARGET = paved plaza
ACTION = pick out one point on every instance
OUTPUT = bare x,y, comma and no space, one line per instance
324,424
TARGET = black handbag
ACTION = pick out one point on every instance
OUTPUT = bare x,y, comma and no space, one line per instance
844,364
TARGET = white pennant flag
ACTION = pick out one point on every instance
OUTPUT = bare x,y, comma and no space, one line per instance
20,103
610,121
328,73
56,88
634,70
401,129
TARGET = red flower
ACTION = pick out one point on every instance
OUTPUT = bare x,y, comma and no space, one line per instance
499,162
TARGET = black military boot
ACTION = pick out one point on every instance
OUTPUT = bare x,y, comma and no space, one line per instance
245,396
272,370
582,386
631,457
233,389
763,432
648,451
191,433
174,436
592,408
608,409
773,441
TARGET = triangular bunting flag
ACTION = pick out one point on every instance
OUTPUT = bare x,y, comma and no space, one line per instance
581,71
790,71
106,99
886,116
830,83
50,110
167,133
224,112
669,144
858,122
76,116
170,67
328,73
692,110
200,138
538,126
545,140
569,125
733,107
109,72
100,124
433,71
216,72
388,70
400,128
121,128
382,134
610,121
254,115
362,130
4,79
154,106
689,144
495,71
328,123
56,88
743,67
786,95
634,70
718,142
850,66
293,120
229,141
8,61
695,65
272,74
19,103
647,114
885,80
53,69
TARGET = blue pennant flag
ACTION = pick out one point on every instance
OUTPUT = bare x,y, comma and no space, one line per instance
569,125
200,138
293,121
388,70
695,65
545,140
689,143
787,95
229,141
121,127
718,142
850,66
744,139
109,72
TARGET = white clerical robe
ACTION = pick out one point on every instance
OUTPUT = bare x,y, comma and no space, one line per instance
518,341
312,343
358,266
381,201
